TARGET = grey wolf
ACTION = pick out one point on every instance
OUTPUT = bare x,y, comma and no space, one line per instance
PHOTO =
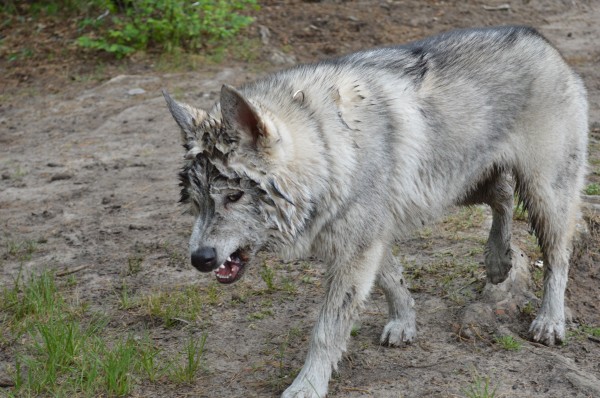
339,158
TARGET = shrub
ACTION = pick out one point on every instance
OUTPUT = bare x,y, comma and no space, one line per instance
165,25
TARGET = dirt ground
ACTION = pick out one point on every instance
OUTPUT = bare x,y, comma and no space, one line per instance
89,168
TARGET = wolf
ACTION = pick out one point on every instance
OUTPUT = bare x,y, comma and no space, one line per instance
340,158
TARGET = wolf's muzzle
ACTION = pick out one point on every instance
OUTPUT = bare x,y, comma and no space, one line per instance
205,259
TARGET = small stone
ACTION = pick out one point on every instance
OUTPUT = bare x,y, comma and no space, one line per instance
279,58
61,176
136,91
265,34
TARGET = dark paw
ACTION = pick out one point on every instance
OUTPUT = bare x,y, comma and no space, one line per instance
497,270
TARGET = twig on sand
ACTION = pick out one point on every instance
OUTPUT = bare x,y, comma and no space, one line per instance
72,270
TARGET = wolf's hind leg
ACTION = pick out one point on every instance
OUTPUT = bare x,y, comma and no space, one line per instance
553,217
401,327
553,211
497,192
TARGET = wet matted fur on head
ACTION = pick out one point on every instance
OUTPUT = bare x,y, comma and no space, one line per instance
233,153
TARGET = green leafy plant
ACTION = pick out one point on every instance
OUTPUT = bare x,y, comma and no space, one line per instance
166,25
592,189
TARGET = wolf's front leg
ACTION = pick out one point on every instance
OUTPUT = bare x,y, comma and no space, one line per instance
348,286
401,327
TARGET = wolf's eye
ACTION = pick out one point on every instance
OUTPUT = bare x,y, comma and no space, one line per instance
233,197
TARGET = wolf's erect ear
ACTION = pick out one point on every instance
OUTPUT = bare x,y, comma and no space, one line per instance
186,116
242,115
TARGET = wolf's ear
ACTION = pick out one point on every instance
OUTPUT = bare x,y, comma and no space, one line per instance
186,116
242,115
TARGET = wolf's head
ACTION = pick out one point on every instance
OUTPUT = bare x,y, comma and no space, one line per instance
234,180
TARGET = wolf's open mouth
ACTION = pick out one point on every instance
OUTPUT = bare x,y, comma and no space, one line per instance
233,268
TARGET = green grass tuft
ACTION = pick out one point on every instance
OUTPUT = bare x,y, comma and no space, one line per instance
592,189
508,343
480,388
193,354
268,276
117,365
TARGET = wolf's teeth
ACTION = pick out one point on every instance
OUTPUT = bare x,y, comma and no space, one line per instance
229,258
222,266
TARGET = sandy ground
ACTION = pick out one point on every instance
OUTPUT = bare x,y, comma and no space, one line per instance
90,175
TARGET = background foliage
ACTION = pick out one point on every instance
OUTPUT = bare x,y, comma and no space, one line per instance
122,27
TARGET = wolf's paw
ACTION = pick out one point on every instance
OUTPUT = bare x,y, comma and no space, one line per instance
397,332
547,330
304,390
497,267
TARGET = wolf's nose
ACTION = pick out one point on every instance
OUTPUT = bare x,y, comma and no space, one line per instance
205,259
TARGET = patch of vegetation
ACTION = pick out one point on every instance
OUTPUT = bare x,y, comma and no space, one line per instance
464,218
592,189
22,250
508,343
35,297
278,281
176,306
268,276
61,349
262,314
125,301
592,331
194,349
583,332
528,309
134,264
122,28
283,373
148,359
520,212
52,7
288,286
451,275
167,25
117,365
480,388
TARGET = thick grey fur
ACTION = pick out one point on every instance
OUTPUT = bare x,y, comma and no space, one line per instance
338,159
